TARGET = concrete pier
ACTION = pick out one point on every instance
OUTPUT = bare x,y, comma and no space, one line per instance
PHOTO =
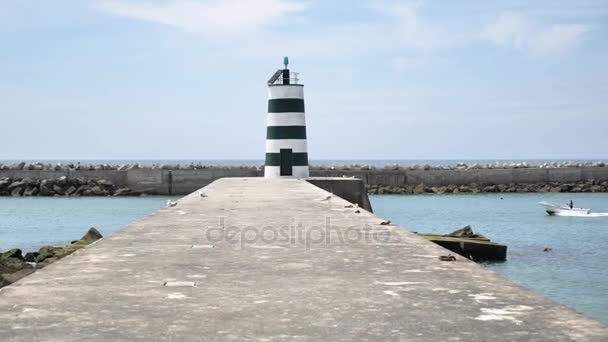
275,259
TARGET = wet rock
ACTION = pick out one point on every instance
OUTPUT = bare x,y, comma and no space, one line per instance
30,256
14,253
92,235
46,252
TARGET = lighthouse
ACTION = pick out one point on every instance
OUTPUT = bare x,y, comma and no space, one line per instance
286,151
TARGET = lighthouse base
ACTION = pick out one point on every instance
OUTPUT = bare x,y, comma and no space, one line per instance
296,172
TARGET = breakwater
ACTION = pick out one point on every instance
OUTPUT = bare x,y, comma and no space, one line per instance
14,265
275,259
134,179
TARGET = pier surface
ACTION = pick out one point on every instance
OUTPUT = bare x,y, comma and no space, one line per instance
263,260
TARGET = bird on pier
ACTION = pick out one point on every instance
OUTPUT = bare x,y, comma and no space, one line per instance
171,203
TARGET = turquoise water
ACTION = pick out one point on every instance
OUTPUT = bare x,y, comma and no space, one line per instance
575,273
32,222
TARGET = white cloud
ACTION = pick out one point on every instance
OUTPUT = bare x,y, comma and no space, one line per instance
208,17
413,30
518,31
558,38
400,26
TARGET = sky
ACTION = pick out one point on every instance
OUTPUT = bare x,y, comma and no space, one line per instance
186,79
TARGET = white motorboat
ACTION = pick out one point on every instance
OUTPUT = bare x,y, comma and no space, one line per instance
564,210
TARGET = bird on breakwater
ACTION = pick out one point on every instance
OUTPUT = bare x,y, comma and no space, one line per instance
171,203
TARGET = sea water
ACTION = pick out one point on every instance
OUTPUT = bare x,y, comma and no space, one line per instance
32,222
574,272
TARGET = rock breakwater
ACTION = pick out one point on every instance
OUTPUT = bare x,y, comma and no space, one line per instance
38,179
14,265
418,189
39,166
62,186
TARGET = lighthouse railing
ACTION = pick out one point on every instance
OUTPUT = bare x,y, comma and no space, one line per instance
294,78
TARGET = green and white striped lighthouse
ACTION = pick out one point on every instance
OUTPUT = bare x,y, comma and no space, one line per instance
286,151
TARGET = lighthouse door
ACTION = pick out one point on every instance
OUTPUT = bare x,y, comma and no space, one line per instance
286,162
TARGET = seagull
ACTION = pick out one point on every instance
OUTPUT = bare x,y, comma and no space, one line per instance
385,223
202,194
171,203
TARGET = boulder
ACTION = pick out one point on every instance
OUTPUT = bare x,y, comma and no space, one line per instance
82,189
97,191
44,188
46,252
62,181
79,181
46,262
490,188
92,235
30,256
14,253
596,188
30,191
465,232
464,188
58,189
105,183
9,278
122,192
419,189
16,184
4,183
70,191
16,192
439,190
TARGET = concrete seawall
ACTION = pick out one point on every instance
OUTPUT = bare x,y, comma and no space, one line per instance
180,182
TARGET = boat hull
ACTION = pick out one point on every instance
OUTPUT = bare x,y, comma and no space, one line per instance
553,209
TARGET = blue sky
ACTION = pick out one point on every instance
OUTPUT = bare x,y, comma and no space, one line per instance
185,79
